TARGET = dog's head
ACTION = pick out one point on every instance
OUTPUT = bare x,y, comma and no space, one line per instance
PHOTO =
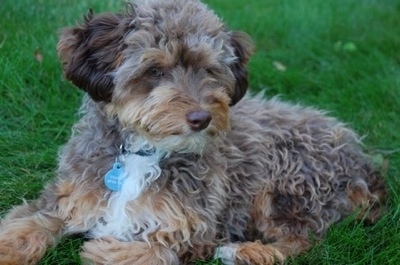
168,69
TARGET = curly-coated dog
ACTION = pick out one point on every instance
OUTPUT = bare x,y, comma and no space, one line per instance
171,162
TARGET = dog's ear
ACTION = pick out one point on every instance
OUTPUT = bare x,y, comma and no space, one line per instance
91,51
243,47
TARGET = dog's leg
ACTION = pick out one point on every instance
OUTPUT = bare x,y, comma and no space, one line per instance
28,230
257,253
111,251
25,234
363,195
284,242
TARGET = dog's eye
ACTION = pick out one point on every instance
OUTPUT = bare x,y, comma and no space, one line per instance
156,72
208,71
212,70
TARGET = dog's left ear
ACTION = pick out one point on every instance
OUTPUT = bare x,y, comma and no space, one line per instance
243,47
91,51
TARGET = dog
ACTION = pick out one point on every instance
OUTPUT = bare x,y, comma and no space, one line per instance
172,161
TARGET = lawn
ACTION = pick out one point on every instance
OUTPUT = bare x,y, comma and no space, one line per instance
338,55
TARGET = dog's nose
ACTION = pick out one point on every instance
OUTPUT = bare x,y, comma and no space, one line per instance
198,120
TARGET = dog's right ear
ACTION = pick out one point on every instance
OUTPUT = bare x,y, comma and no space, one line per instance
91,51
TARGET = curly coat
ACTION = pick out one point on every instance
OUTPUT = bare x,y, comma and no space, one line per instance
245,180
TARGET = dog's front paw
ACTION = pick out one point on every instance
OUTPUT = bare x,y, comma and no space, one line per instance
21,250
8,255
109,251
249,253
23,245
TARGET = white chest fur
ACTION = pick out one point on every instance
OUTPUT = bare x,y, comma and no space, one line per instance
120,219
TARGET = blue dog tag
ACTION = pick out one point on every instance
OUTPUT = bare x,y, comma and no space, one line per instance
114,179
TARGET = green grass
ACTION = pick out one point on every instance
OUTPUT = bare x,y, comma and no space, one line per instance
338,55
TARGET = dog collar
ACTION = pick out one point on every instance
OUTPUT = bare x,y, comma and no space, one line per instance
145,152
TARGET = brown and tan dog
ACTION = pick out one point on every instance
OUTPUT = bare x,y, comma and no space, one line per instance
169,163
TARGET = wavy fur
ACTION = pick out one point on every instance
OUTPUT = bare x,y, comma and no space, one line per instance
249,187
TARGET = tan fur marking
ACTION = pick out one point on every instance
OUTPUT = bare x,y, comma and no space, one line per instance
256,253
110,251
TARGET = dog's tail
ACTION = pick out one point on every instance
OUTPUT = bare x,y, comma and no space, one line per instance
368,195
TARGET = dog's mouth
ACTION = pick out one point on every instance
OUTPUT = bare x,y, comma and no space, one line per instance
185,140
